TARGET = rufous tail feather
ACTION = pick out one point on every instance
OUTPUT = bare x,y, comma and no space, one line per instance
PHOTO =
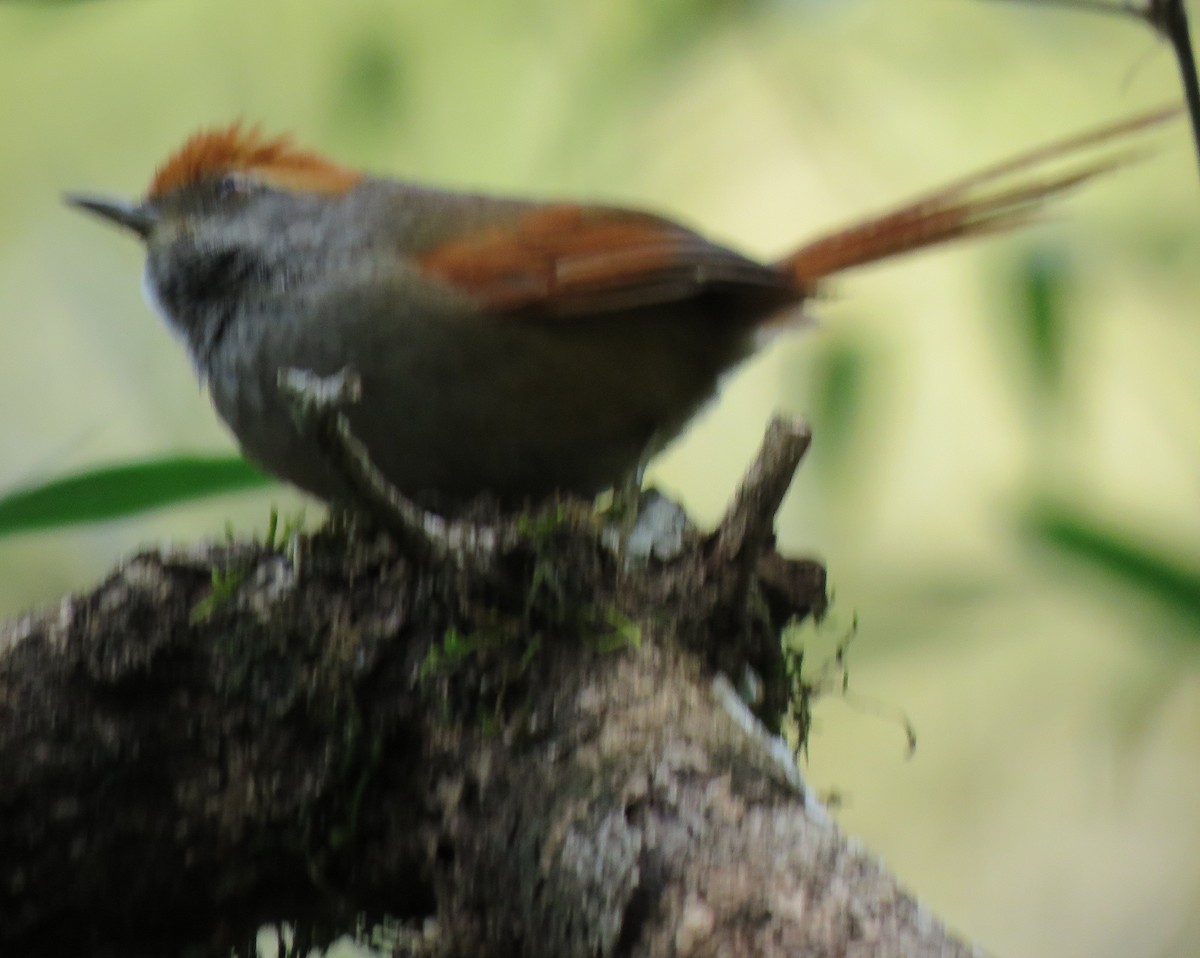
984,202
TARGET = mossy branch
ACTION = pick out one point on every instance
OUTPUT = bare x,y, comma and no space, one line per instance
545,760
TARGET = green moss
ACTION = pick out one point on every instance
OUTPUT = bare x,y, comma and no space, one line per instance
457,648
538,527
622,632
225,585
806,684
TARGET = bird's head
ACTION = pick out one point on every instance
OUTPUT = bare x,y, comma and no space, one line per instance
221,175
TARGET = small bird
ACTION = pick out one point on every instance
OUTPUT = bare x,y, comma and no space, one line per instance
505,347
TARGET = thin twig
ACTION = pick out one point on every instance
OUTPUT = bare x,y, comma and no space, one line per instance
1137,10
1168,19
746,528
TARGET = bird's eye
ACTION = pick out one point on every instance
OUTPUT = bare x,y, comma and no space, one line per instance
233,184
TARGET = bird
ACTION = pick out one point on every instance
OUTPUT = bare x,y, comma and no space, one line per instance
506,348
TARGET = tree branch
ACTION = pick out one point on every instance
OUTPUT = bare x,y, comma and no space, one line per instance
545,761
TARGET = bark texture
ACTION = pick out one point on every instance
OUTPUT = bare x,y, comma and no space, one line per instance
545,759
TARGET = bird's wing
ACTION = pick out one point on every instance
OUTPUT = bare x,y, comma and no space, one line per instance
569,260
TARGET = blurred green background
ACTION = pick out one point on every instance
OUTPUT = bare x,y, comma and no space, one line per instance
1005,480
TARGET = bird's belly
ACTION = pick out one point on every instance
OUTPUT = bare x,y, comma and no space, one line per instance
456,407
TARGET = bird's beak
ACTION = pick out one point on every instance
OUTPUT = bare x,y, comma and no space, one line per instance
139,217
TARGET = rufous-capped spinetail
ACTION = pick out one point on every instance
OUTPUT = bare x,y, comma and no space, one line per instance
505,347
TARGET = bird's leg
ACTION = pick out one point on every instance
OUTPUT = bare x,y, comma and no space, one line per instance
318,404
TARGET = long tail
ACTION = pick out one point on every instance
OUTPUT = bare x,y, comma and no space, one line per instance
974,205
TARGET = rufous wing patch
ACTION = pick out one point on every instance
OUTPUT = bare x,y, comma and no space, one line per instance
235,148
565,259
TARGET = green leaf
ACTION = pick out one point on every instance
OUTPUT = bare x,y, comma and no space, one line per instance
1135,565
837,384
1042,291
122,490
